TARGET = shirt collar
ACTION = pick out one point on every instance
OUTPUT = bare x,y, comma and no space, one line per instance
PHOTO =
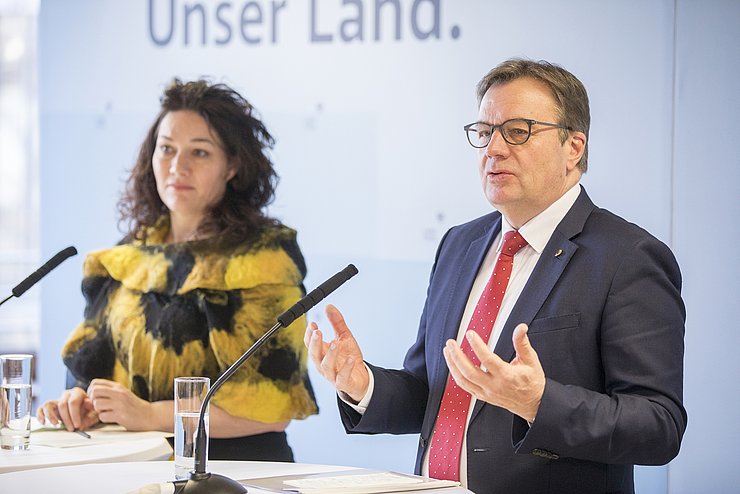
538,230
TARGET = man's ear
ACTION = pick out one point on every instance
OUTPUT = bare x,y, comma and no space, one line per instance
577,146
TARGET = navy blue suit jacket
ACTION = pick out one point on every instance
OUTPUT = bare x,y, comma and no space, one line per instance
607,321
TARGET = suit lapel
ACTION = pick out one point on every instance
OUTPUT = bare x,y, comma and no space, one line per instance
463,284
535,292
460,285
545,276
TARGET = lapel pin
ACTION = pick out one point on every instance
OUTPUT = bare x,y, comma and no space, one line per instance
560,251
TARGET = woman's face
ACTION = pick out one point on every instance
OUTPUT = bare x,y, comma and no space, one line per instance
190,166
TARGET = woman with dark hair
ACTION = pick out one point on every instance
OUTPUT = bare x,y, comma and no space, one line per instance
201,274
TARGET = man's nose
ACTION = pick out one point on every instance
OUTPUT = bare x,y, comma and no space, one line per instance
497,146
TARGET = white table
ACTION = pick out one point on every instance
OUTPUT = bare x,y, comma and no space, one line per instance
126,477
152,448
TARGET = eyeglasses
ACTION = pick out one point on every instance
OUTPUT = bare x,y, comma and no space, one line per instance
515,131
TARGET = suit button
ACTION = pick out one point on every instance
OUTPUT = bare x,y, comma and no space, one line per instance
422,442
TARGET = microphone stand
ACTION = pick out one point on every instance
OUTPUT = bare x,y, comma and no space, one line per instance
199,480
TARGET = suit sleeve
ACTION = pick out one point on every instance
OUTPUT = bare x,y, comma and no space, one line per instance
400,397
396,407
638,418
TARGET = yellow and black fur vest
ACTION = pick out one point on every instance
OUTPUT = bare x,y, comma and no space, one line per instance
157,311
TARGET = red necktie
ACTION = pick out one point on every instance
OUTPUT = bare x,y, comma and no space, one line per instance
444,452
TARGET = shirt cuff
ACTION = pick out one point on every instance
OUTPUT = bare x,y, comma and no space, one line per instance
360,407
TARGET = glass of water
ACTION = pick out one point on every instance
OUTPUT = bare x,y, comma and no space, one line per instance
15,401
189,395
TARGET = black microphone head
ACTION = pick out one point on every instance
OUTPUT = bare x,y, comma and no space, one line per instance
68,252
317,295
52,263
350,270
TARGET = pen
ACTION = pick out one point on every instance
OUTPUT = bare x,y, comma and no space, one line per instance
82,433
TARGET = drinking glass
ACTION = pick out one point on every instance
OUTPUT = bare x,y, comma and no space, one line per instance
189,395
15,401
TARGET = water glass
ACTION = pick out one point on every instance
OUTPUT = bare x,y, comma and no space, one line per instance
189,395
15,401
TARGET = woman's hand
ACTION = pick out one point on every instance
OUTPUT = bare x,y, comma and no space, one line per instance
74,409
114,403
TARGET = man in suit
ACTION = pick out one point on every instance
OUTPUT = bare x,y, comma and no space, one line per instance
578,373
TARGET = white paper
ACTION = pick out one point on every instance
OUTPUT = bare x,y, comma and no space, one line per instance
369,482
363,480
59,437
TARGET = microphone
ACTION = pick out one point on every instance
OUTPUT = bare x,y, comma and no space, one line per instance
200,481
317,295
36,276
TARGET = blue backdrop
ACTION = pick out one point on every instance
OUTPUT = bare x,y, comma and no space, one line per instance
367,100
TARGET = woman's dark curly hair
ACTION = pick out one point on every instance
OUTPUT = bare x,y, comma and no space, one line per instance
240,213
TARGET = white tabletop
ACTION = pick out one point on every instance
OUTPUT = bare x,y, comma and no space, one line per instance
150,448
127,477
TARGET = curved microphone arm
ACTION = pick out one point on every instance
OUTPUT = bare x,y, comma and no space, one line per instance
200,438
201,481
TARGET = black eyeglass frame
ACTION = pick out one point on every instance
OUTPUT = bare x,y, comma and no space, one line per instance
529,121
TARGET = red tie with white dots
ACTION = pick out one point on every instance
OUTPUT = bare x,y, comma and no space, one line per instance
444,452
